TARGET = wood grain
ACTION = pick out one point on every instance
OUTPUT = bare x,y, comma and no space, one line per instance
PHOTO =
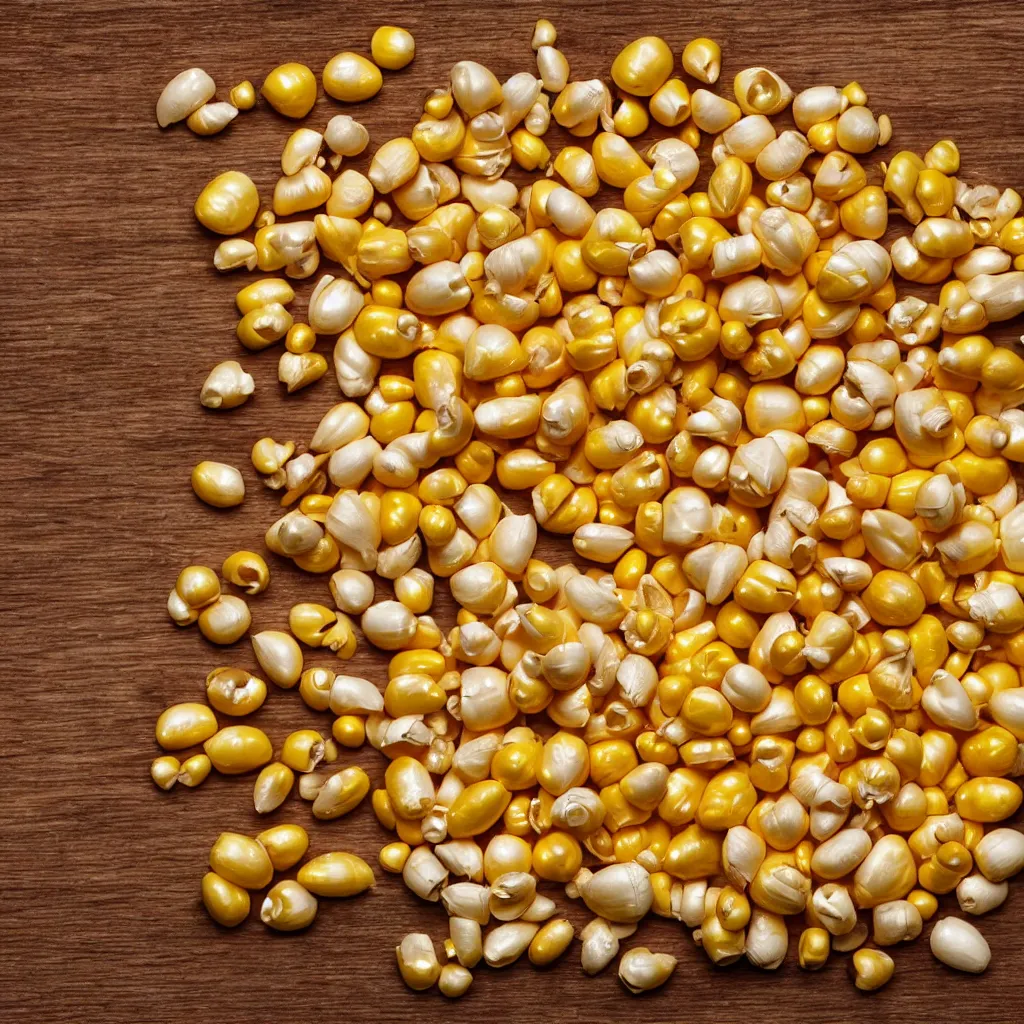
113,316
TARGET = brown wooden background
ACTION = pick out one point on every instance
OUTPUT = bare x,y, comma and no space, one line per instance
112,317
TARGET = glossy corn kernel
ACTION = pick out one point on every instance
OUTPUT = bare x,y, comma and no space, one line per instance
237,749
241,861
642,66
392,48
417,961
226,902
272,787
477,808
872,969
285,844
228,204
288,907
185,725
336,874
351,78
290,89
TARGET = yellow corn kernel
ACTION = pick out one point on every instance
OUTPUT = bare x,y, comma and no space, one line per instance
942,872
1011,238
729,186
290,89
218,484
726,801
630,568
248,570
936,801
385,814
529,151
351,78
652,748
349,731
631,118
228,204
243,95
557,857
642,66
702,58
185,725
515,765
553,939
477,808
706,711
516,819
164,771
934,191
263,327
839,742
987,799
670,105
736,625
981,475
272,787
476,462
238,748
765,588
872,968
439,136
197,586
682,796
392,47
393,422
760,91
616,161
925,902
437,524
322,558
814,948
285,844
336,874
393,856
399,516
610,761
576,167
823,137
413,694
1000,675
893,599
694,853
241,861
226,902
813,698
571,271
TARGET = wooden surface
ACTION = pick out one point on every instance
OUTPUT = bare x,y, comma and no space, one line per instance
112,317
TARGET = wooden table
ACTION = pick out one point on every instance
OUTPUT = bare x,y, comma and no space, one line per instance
113,316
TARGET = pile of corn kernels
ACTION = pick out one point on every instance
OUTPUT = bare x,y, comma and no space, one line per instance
791,687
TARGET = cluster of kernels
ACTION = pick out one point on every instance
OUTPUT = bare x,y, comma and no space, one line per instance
794,687
197,596
290,89
190,97
240,864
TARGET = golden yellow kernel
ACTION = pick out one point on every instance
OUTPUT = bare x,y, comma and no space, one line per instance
290,89
392,48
